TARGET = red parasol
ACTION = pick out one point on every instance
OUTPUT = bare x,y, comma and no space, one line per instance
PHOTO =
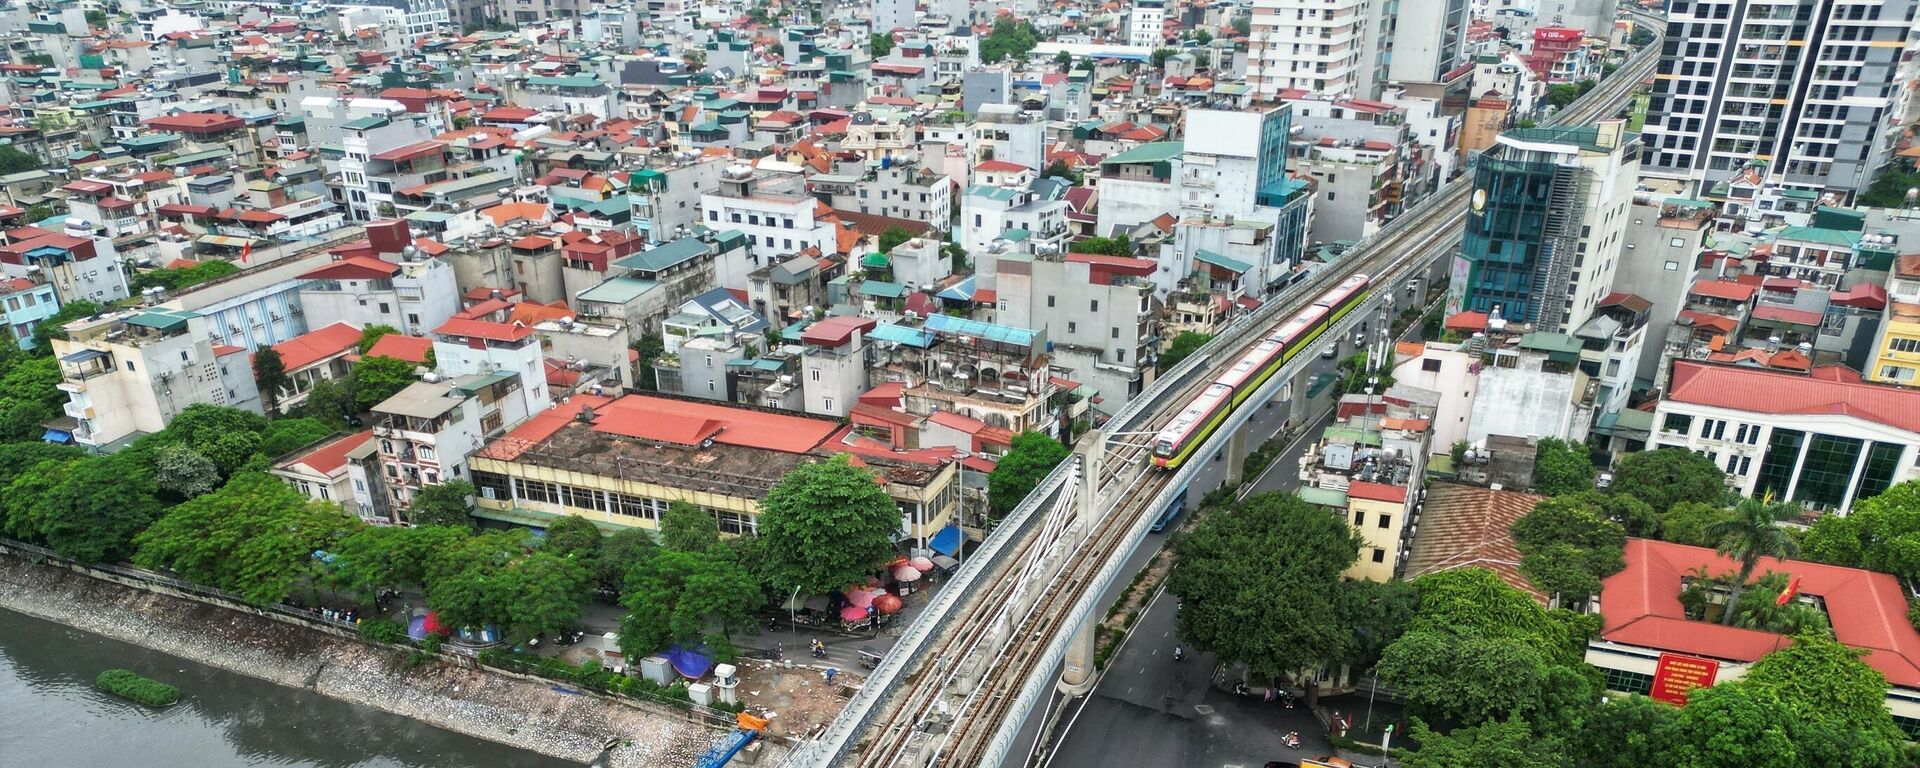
887,604
853,613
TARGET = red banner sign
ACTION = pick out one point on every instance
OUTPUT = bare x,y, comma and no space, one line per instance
1678,675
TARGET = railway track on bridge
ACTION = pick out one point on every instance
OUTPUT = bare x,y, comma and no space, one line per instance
954,702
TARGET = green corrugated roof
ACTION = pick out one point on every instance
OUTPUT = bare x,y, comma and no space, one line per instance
882,289
665,255
875,261
1152,152
568,81
1325,497
1209,257
1554,344
162,319
1821,235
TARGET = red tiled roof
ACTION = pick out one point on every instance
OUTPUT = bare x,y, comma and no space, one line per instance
195,122
354,268
331,458
1721,289
1467,527
1786,314
656,418
864,412
1867,610
1704,320
886,395
481,329
995,166
835,331
412,349
541,426
1762,391
412,151
313,346
1467,321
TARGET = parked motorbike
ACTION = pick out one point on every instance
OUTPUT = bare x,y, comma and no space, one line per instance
1179,654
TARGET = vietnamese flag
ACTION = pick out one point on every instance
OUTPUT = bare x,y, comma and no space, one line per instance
1793,588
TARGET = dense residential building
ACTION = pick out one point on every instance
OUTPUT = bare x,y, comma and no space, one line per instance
1549,216
130,372
23,304
1814,88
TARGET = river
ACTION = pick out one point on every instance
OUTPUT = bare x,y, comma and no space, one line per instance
52,717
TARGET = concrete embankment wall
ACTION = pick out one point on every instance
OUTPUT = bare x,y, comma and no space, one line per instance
448,692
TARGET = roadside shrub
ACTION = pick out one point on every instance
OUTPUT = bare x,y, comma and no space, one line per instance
129,685
382,631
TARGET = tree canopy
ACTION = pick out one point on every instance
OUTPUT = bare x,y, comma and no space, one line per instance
1668,476
87,509
1009,38
574,537
371,334
686,597
879,44
444,504
1881,533
1561,467
379,377
270,376
1183,346
1028,461
1752,533
1509,743
688,528
1478,650
256,536
824,526
1259,583
1118,245
892,237
1568,546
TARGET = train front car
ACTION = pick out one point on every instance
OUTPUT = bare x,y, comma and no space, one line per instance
1190,428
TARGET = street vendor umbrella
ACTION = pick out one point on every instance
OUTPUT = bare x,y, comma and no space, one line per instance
887,604
921,564
906,573
860,598
431,625
853,613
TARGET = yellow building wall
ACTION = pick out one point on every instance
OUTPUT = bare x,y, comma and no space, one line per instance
1885,355
1374,537
937,515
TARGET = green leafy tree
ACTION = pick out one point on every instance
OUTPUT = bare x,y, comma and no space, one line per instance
228,436
54,327
1881,533
29,395
284,436
17,459
1751,534
467,580
1009,39
688,528
1509,743
371,334
546,594
182,278
1243,25
1624,732
1028,461
1378,613
649,346
825,525
1202,36
1669,476
573,537
1812,703
256,536
686,597
1642,37
377,557
24,517
1259,583
1478,650
97,18
1058,169
892,237
13,160
1182,347
97,507
270,375
1160,56
619,554
183,472
379,377
1561,468
1687,522
879,44
1569,546
1889,189
1118,245
330,401
447,504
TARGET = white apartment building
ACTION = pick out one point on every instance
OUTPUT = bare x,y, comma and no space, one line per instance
426,432
1309,45
889,15
415,295
1099,312
775,214
1146,23
130,372
505,357
1006,133
1818,88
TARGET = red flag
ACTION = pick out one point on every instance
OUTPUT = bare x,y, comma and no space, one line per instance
245,251
1793,588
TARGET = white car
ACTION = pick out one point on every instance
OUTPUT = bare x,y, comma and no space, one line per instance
1330,352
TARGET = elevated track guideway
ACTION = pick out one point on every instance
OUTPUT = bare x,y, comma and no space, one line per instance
964,676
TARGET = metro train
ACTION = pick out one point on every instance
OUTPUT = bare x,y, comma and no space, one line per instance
1188,430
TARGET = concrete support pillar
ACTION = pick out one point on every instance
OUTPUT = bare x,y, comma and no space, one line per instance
1092,448
1076,672
1301,387
1237,453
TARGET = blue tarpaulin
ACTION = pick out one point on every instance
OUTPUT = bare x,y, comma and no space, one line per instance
60,436
947,541
691,664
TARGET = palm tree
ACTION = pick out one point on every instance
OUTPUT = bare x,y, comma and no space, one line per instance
1752,533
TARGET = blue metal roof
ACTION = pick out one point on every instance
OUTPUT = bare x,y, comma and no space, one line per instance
961,326
900,334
